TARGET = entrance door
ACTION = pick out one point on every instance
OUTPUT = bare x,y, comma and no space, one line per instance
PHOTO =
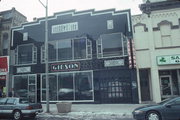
24,86
32,94
166,86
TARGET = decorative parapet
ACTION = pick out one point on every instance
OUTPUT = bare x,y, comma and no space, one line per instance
165,22
140,24
148,7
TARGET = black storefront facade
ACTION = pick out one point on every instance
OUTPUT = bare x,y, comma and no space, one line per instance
88,58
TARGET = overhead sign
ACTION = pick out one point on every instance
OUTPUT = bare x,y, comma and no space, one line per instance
112,63
68,27
68,66
4,64
2,77
23,69
168,60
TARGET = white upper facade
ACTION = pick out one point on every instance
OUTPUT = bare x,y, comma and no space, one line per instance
156,35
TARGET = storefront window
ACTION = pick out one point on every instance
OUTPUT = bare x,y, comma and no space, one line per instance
83,86
25,87
26,54
111,45
21,90
75,86
65,87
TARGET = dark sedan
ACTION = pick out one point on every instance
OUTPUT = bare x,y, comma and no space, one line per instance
17,108
168,109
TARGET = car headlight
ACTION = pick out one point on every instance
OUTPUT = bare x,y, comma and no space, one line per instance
138,111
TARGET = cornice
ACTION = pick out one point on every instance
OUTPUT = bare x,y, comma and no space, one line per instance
148,7
164,14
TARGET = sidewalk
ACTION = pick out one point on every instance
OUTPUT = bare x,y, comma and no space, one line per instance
92,111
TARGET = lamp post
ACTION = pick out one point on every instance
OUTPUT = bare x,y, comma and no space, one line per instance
46,55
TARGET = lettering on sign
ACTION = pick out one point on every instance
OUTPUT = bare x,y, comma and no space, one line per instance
4,64
111,63
65,66
68,27
23,69
2,77
167,60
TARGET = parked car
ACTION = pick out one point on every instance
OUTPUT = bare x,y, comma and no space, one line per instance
18,108
169,109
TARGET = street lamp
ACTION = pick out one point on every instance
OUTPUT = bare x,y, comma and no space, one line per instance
46,55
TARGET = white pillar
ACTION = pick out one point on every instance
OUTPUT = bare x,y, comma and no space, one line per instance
155,83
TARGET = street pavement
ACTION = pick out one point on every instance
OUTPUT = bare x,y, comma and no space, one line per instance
91,112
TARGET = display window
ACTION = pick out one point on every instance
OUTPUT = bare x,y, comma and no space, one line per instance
25,87
68,86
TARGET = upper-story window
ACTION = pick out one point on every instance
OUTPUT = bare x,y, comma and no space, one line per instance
166,35
26,54
68,49
111,45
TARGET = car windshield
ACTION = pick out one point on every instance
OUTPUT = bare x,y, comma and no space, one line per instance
166,100
23,100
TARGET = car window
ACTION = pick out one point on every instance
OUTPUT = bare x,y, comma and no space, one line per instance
2,101
23,100
166,100
10,101
177,102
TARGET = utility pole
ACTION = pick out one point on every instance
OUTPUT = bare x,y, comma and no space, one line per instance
46,55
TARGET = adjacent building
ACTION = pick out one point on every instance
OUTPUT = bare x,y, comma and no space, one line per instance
8,19
157,45
88,58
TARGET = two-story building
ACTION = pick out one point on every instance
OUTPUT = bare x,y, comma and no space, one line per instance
157,44
88,58
8,19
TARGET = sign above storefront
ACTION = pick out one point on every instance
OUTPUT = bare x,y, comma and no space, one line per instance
24,69
68,27
4,65
168,60
69,66
112,63
2,77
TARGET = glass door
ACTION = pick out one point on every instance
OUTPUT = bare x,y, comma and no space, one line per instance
32,94
24,86
166,86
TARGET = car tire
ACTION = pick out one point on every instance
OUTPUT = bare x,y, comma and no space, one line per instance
153,115
17,115
33,116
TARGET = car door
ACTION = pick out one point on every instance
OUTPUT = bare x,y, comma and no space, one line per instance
9,106
172,110
176,108
2,105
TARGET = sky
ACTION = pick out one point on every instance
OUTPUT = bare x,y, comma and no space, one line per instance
33,8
